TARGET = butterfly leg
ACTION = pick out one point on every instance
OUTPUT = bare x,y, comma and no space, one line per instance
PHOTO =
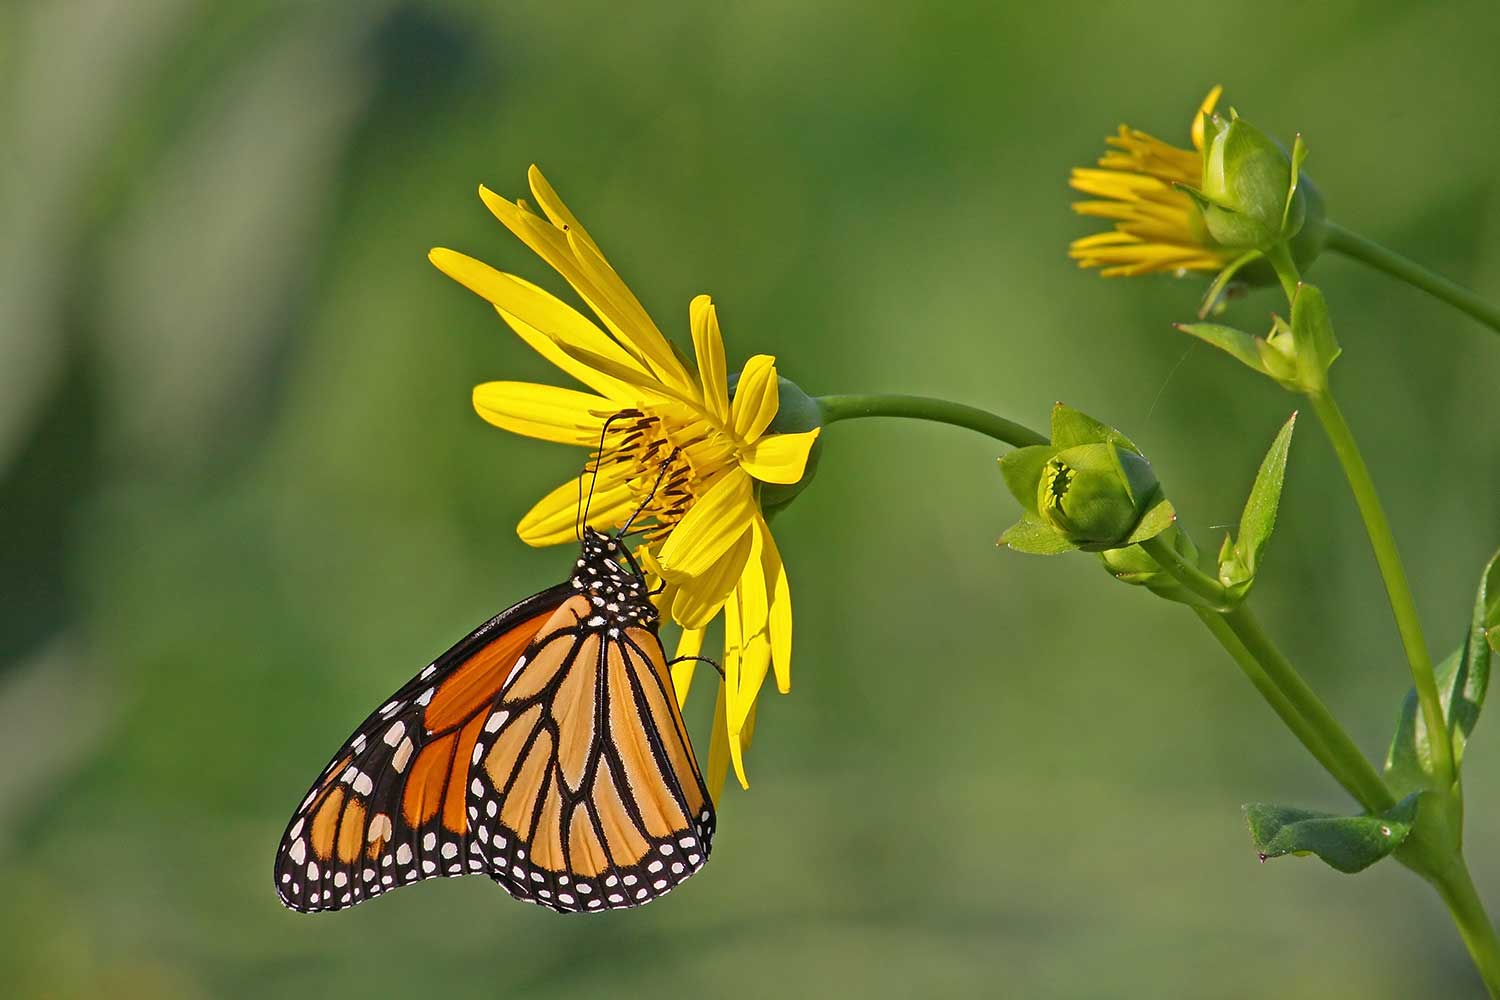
701,659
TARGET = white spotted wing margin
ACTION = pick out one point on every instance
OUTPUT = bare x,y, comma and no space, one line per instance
585,795
387,811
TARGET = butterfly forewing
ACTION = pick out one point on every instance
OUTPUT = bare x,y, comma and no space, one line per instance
545,750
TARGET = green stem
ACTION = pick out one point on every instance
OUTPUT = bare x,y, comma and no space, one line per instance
1383,541
1456,886
1351,244
836,408
1279,702
1304,713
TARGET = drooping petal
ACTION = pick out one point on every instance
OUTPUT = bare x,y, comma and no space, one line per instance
733,665
755,397
779,458
750,604
708,345
713,525
542,411
689,645
698,599
779,612
554,518
718,751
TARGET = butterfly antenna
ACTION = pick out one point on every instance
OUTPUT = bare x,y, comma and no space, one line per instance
625,528
581,515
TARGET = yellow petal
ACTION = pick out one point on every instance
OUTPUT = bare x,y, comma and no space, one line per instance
1206,108
554,519
749,607
779,596
537,316
553,206
733,692
710,529
708,345
581,265
718,751
618,307
698,599
779,458
755,397
689,645
542,411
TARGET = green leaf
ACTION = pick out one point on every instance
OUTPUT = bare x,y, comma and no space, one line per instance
1035,538
1348,843
1259,517
1237,343
1154,522
1022,470
1070,427
1463,678
1221,281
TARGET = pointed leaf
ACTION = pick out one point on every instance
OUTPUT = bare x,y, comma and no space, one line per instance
1022,470
1347,843
1035,538
1259,517
1070,427
1236,343
1463,679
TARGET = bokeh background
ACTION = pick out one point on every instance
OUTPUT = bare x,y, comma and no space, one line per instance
244,495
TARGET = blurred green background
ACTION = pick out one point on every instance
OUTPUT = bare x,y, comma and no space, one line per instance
245,496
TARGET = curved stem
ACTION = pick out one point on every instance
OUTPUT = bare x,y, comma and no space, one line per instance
1308,736
1383,541
1351,244
836,408
1359,775
1304,713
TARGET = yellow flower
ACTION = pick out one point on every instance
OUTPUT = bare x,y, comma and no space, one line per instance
1157,227
672,440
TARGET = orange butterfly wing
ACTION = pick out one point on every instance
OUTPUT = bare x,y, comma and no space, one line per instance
545,750
388,810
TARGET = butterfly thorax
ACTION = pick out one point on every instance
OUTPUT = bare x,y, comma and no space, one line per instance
617,592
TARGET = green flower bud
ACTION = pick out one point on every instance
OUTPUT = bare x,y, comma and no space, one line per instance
1094,495
1247,179
796,412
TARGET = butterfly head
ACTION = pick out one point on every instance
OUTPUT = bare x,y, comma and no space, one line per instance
617,591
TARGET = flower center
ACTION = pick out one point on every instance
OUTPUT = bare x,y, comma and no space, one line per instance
665,458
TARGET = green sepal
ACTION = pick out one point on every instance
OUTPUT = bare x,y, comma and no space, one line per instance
1134,565
1022,470
1299,153
1314,344
1070,428
1463,679
1031,536
1347,843
1221,281
1156,520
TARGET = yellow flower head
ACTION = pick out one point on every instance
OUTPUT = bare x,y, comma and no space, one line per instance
1157,227
670,442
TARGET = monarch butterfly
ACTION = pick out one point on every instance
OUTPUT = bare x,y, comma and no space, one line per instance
544,750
